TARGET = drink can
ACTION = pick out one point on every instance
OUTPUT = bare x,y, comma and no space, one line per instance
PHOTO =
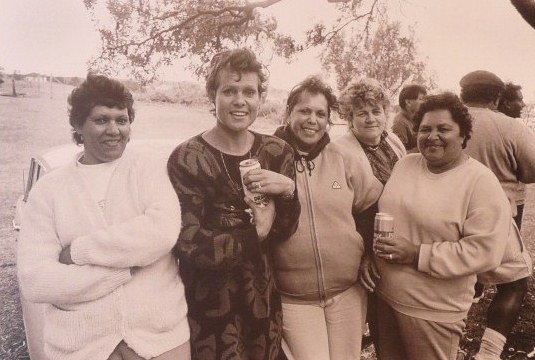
383,226
245,166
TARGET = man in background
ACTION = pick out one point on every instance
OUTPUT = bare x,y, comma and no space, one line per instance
511,104
507,147
410,98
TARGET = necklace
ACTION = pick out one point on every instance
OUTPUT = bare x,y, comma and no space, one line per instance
232,182
371,147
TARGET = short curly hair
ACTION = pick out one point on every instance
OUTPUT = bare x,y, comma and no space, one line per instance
312,85
240,61
94,91
446,101
361,92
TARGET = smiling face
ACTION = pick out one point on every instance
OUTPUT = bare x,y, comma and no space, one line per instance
440,140
309,119
368,122
106,132
236,100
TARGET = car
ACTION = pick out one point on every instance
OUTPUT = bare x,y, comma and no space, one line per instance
41,164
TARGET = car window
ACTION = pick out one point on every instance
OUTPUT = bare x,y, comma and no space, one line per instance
35,172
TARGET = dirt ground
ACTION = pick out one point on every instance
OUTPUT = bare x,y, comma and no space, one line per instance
39,120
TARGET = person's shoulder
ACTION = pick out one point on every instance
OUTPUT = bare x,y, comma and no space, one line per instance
334,149
191,145
479,168
346,140
400,119
505,119
340,152
270,139
143,160
509,128
273,144
481,174
486,114
345,143
410,160
395,142
513,124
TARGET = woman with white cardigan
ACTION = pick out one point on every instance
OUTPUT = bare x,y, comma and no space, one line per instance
96,240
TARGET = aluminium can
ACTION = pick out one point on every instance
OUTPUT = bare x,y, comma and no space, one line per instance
383,226
245,166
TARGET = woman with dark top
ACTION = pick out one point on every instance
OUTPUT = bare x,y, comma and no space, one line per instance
234,310
316,270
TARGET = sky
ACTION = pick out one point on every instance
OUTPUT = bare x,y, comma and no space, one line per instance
455,36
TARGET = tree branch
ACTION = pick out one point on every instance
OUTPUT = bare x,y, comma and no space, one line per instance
239,16
327,38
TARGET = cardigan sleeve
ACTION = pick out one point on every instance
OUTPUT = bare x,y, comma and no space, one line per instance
200,245
484,236
288,210
140,240
42,278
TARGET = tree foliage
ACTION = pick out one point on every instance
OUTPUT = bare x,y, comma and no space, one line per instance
386,55
143,35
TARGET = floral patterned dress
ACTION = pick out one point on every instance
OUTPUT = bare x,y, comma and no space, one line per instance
234,310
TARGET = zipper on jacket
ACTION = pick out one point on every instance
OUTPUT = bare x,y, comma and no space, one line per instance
315,246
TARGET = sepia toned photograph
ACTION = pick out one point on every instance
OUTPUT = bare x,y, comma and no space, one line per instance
267,179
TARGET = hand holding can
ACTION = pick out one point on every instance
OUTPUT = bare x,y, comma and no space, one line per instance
383,228
245,167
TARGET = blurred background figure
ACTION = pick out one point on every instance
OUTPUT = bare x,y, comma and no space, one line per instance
511,100
96,242
410,98
511,104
